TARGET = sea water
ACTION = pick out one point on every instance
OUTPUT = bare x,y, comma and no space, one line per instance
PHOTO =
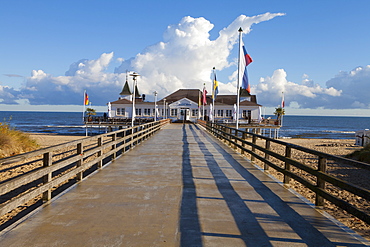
65,123
70,123
330,127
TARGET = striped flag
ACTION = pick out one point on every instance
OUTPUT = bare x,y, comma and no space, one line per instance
245,60
215,87
86,99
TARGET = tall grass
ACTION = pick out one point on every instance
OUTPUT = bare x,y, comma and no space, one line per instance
361,155
14,142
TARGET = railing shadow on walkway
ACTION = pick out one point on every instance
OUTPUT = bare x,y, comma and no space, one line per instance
252,233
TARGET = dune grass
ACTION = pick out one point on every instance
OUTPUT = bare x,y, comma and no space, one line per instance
361,155
13,142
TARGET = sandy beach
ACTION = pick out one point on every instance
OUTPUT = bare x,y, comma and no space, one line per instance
47,140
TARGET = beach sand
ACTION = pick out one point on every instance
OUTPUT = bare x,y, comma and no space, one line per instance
47,140
339,147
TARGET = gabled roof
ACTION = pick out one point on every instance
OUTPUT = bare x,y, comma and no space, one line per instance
126,101
193,95
122,101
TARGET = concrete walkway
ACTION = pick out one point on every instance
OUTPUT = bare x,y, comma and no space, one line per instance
179,188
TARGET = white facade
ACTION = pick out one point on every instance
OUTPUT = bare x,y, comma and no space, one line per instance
183,105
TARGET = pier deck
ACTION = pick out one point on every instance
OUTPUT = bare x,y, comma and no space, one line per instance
182,187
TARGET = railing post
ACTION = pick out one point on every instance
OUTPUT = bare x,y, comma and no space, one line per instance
47,161
114,137
243,143
288,154
267,156
236,138
80,161
100,163
254,141
319,201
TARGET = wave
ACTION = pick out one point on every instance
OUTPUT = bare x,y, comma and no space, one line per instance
339,131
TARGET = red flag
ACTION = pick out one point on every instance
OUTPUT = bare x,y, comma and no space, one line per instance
204,96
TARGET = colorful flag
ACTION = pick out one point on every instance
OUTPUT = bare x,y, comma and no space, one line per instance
215,87
211,112
282,102
86,101
204,95
245,60
199,100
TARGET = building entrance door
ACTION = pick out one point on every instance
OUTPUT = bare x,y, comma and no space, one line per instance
184,114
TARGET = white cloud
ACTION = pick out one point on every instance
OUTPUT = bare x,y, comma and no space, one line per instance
355,88
8,95
269,91
186,56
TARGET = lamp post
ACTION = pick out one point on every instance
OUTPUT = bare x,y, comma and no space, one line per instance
164,109
155,105
134,75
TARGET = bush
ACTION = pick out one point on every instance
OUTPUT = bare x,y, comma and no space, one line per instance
13,142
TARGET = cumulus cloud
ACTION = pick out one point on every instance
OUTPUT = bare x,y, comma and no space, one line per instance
184,59
346,90
355,88
186,56
8,95
305,95
90,75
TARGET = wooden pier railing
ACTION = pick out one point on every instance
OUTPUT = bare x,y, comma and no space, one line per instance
326,184
39,175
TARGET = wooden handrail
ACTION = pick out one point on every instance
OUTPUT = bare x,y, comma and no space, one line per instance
82,154
238,141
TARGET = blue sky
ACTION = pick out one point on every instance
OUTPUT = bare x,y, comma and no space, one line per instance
317,52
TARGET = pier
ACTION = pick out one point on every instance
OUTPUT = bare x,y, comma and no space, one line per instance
180,187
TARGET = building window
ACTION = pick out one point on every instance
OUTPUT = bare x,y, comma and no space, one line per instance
138,111
147,112
194,113
228,113
247,114
220,113
173,112
120,112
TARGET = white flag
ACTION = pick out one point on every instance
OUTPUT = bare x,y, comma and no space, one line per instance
210,112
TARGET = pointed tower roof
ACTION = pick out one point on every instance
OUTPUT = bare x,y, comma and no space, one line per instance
126,90
244,93
137,94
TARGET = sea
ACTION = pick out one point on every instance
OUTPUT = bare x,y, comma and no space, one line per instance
70,123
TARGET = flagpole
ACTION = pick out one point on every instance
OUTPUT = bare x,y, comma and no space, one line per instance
213,96
83,112
238,84
282,107
203,97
